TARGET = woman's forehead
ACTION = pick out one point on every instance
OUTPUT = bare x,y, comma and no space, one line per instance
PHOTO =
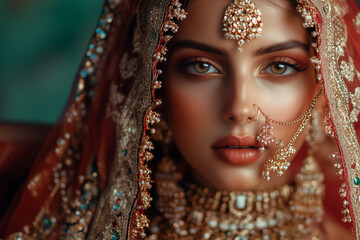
204,24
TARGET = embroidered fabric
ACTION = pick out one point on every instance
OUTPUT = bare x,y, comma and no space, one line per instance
91,179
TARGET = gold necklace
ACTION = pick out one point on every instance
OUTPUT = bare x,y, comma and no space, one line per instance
286,212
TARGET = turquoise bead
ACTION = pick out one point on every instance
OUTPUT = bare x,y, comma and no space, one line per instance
356,181
125,152
115,236
47,223
116,207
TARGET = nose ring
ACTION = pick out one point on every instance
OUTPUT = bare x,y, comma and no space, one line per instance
251,119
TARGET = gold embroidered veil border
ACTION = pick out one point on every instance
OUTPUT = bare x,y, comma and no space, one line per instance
340,42
129,130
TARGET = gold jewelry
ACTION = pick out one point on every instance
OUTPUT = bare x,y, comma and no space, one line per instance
317,132
201,213
171,197
255,118
266,135
242,22
279,162
307,199
329,127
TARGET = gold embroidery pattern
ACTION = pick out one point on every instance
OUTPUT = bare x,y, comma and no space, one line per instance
116,98
334,35
169,27
121,211
347,70
128,66
355,101
73,211
357,22
119,199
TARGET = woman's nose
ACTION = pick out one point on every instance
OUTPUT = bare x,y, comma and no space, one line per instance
238,104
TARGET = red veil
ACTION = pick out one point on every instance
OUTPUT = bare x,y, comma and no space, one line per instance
84,180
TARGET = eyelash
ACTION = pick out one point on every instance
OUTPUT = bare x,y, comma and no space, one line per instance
287,63
182,67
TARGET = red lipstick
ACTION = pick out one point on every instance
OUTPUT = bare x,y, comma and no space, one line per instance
237,150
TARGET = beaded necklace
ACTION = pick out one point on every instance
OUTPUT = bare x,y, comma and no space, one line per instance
193,212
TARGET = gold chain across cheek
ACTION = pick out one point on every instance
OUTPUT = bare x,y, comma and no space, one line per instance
280,161
242,22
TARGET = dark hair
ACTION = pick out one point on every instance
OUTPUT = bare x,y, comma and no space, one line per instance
186,3
272,2
293,3
275,3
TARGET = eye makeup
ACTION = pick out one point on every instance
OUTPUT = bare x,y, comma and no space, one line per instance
198,67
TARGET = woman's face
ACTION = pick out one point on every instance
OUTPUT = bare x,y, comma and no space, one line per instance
211,89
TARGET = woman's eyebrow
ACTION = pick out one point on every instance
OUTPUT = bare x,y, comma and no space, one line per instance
182,44
282,46
196,45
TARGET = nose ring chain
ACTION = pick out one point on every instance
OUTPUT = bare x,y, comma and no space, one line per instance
280,161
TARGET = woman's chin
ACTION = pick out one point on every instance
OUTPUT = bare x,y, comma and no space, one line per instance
227,181
242,180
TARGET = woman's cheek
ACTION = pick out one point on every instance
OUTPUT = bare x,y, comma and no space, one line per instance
285,105
191,106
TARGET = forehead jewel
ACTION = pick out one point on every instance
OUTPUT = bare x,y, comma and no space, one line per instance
242,22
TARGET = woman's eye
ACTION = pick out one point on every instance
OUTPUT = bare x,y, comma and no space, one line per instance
282,68
202,67
278,68
199,67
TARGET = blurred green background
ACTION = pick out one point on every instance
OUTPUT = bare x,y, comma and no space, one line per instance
41,46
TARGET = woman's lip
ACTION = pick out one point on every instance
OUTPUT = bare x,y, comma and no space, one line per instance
246,153
235,141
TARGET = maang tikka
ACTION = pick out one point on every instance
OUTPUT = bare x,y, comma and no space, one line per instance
242,22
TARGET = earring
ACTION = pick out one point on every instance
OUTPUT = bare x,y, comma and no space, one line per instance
280,161
306,202
316,133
